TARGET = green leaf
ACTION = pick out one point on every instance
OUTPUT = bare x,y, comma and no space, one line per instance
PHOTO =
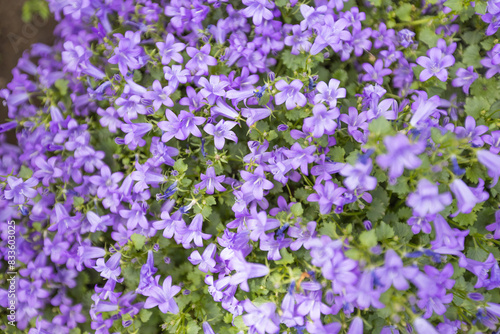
353,254
455,5
403,12
25,173
327,229
368,238
480,7
301,194
281,3
384,231
401,187
380,127
474,172
78,201
144,315
337,154
428,36
286,258
297,210
466,219
138,240
62,86
376,210
180,166
474,106
192,327
471,56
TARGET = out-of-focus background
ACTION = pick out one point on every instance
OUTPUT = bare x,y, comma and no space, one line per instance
22,23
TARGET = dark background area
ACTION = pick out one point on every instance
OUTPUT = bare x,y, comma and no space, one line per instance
15,37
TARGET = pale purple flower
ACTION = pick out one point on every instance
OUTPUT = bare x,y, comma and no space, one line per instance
290,94
471,131
163,296
193,233
393,273
206,261
329,93
427,199
254,114
358,176
491,162
423,326
245,271
299,40
200,60
465,78
493,139
354,122
145,175
160,95
356,326
109,118
210,181
135,216
322,121
423,108
221,131
401,154
19,190
301,157
259,223
175,75
467,197
47,170
495,227
376,72
130,107
331,33
256,183
258,10
169,50
212,89
435,64
134,133
327,195
110,269
262,319
107,183
302,235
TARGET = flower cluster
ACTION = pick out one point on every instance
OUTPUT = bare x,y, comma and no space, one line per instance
257,166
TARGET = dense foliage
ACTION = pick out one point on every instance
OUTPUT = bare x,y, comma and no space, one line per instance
209,166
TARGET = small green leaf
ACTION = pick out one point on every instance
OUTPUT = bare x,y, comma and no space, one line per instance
403,12
428,36
384,231
368,238
25,173
455,5
180,166
62,86
138,240
144,315
471,56
286,258
77,201
337,154
380,127
297,210
474,106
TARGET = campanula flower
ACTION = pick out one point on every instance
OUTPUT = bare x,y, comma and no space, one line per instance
327,195
435,64
19,190
322,121
221,131
210,181
206,261
256,183
467,197
163,297
491,162
262,319
169,50
427,199
290,94
465,78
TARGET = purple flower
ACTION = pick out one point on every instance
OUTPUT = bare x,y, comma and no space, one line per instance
262,319
322,121
109,118
127,52
393,272
206,261
376,72
194,233
211,181
331,33
221,131
471,132
356,326
493,140
423,326
245,271
424,107
175,75
213,89
160,95
110,269
405,37
170,50
255,183
170,224
130,107
290,93
258,10
421,224
329,93
480,269
144,175
193,100
465,78
255,114
301,157
47,170
354,122
135,216
358,176
19,190
259,223
448,240
134,133
363,294
327,195
302,235
401,154
495,227
467,198
492,163
163,297
427,199
299,40
435,65
200,60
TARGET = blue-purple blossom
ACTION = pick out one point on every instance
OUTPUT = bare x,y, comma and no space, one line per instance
322,121
427,199
435,64
19,190
163,296
290,94
221,131
465,78
210,181
491,162
262,319
205,261
255,183
327,195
